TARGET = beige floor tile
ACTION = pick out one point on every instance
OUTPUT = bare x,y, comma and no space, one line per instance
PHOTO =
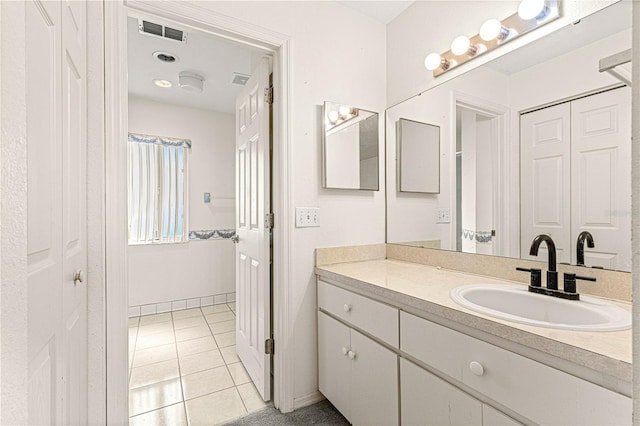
251,398
152,319
154,373
195,346
216,408
201,361
214,309
225,339
152,397
179,324
133,321
167,416
238,373
219,317
187,313
155,328
232,306
153,340
229,354
205,382
155,354
192,333
223,327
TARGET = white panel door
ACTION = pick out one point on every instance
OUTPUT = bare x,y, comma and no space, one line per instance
56,140
600,170
253,262
545,197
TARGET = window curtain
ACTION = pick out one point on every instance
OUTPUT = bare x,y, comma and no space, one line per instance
156,178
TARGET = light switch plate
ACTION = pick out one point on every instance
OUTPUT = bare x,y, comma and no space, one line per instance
443,215
307,217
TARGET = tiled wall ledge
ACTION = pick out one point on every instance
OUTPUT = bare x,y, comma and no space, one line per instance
609,284
178,305
331,255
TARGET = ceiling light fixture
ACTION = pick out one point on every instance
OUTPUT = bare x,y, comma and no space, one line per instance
162,83
531,14
165,57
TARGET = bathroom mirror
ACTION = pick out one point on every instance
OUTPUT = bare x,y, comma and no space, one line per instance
350,150
488,202
418,157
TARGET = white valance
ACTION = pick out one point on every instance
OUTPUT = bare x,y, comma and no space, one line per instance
160,140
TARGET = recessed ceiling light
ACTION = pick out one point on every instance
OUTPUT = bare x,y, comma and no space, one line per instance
162,83
165,57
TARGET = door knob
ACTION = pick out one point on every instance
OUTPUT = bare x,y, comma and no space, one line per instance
235,239
77,277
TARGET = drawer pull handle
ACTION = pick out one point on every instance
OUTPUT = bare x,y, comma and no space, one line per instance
345,350
346,307
476,368
351,354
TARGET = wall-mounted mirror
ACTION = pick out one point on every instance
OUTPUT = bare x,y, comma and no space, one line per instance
350,153
418,157
536,141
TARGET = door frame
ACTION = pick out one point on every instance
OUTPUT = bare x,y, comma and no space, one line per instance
115,93
500,129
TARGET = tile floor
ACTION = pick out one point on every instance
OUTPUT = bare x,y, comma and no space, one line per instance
184,369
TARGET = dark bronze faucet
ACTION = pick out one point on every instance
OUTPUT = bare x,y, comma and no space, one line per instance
552,275
580,246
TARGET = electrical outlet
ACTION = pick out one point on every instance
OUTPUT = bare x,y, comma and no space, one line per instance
307,217
207,197
443,215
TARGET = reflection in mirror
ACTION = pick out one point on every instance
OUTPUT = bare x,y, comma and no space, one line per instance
536,141
418,157
350,148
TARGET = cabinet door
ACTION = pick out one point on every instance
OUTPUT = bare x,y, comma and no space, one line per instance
429,400
374,383
493,417
334,366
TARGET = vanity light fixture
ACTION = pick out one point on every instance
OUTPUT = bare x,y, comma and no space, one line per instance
341,114
531,14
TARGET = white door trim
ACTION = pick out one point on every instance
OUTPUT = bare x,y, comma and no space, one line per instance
115,211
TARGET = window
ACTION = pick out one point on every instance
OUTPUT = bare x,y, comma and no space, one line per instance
156,185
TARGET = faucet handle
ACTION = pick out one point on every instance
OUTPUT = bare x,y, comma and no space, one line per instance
570,281
536,276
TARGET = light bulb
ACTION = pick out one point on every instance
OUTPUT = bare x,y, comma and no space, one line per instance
162,83
460,45
530,9
490,30
333,116
432,61
344,110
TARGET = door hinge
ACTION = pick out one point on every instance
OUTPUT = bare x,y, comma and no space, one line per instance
269,347
268,95
268,221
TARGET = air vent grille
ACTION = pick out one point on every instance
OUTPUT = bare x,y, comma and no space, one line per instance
151,28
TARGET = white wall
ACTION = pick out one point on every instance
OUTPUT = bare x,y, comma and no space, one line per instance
167,272
430,26
337,55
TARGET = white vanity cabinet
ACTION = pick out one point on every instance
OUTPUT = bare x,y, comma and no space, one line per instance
357,374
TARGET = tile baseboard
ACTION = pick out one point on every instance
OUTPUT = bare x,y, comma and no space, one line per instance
181,304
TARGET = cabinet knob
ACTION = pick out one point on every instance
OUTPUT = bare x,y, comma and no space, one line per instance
476,368
351,354
346,307
345,350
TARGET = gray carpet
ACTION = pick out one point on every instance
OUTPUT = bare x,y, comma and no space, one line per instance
321,413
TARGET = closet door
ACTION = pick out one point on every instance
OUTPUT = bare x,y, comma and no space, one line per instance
545,197
600,171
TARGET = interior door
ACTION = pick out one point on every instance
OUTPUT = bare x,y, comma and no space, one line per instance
545,197
56,143
253,262
601,166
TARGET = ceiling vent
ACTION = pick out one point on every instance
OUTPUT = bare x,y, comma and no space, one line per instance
240,78
150,28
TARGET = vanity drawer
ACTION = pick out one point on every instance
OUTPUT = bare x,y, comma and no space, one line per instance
376,318
536,391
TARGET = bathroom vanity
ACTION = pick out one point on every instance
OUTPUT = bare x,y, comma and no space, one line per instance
394,348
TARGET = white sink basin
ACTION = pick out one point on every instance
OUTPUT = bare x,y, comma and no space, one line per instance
516,303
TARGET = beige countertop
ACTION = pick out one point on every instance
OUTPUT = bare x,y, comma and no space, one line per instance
425,290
